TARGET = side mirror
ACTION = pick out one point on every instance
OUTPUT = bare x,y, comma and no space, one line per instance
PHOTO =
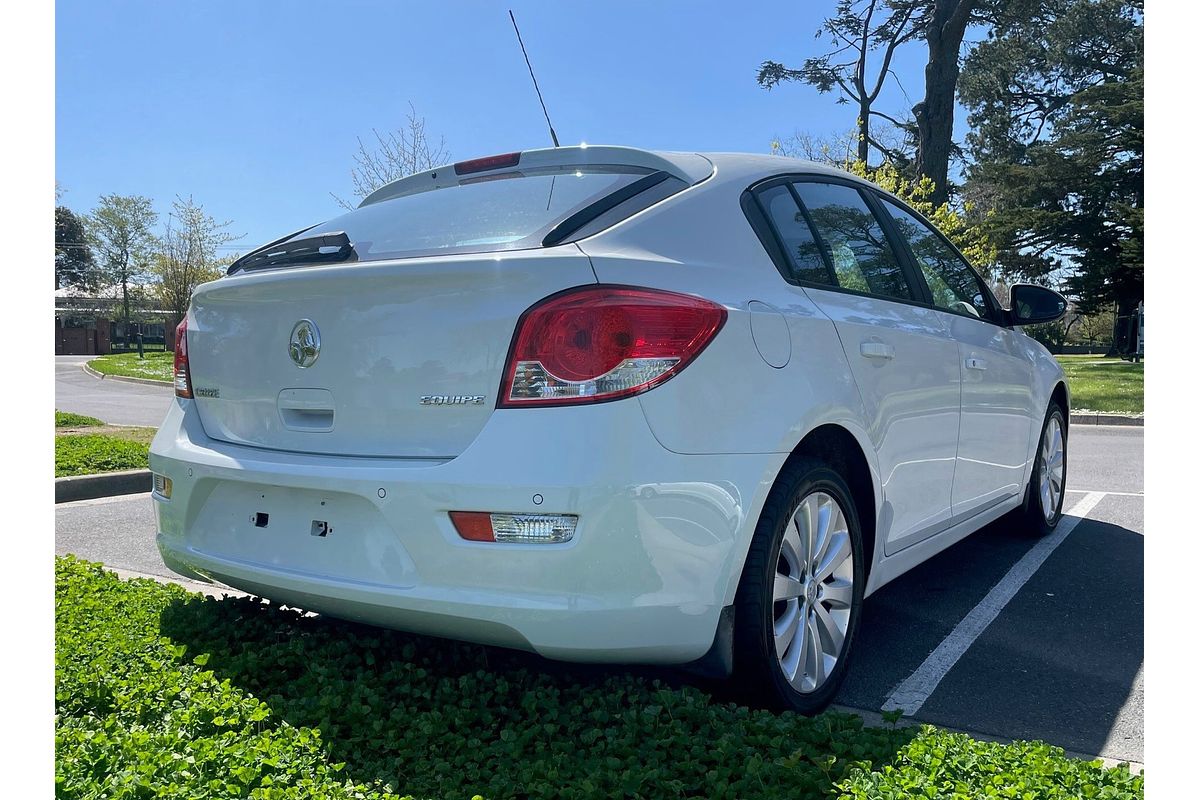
1035,305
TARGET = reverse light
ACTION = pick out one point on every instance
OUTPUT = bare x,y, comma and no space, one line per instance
162,486
599,343
183,373
481,526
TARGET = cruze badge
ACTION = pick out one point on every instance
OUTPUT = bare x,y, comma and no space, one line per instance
452,400
305,343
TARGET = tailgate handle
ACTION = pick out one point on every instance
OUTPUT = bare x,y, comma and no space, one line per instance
877,349
306,409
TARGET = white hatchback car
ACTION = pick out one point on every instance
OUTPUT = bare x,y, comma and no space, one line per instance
610,405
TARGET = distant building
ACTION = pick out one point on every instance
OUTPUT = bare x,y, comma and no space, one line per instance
87,322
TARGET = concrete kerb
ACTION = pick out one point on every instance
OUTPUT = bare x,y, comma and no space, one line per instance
123,378
105,484
1101,418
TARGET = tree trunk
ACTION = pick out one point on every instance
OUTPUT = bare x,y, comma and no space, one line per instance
864,130
1125,327
935,114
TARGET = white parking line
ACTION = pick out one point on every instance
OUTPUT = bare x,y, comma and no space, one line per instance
914,690
1118,494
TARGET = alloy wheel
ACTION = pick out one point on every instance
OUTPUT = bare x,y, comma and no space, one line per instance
813,592
1051,467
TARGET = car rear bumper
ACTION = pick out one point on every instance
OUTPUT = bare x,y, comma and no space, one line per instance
655,557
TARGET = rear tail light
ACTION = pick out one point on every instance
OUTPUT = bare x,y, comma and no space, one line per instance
600,343
480,526
183,375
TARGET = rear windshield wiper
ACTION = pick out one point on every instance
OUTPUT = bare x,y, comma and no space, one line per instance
322,248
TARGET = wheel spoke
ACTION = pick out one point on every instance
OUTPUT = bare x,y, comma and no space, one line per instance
794,663
806,525
792,548
785,628
787,587
839,593
839,551
814,664
834,636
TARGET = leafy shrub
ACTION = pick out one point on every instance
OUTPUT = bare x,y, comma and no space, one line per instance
163,694
84,454
952,766
65,419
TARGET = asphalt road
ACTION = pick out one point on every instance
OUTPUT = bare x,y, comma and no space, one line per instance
115,402
1061,660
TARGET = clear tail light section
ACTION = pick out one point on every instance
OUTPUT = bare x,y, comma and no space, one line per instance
481,526
183,374
598,343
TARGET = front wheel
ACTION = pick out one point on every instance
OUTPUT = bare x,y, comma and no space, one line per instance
801,592
1047,483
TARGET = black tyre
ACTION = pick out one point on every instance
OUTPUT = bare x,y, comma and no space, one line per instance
1047,482
801,592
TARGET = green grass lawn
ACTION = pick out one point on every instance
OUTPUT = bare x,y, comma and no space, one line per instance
1104,384
85,445
65,419
160,693
157,366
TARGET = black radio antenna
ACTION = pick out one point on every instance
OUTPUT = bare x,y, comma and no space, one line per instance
550,125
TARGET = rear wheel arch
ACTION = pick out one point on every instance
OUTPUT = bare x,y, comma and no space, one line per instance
841,450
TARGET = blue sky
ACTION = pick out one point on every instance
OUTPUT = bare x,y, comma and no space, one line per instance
254,107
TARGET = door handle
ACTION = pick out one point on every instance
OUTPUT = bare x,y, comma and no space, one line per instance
976,363
877,350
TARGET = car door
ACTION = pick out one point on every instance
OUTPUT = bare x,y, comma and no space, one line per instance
997,388
900,354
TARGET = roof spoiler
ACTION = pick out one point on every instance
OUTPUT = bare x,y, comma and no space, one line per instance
689,167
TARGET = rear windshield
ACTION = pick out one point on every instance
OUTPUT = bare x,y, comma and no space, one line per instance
508,211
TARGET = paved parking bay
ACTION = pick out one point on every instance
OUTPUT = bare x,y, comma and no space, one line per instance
1044,636
115,402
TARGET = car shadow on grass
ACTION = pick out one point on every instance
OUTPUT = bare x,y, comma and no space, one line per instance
438,718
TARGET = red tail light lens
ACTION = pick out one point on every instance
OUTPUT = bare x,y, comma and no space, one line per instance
599,343
183,375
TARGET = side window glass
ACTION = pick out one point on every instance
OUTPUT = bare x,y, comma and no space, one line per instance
858,249
951,280
804,256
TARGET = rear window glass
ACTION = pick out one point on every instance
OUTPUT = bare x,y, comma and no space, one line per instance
506,211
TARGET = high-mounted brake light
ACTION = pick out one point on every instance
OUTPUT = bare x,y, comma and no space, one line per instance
489,162
183,373
599,343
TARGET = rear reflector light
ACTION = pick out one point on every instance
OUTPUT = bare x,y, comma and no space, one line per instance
183,374
600,343
162,486
480,526
484,164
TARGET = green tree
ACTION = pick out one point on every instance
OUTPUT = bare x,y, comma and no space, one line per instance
121,232
1056,103
857,29
187,253
73,263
